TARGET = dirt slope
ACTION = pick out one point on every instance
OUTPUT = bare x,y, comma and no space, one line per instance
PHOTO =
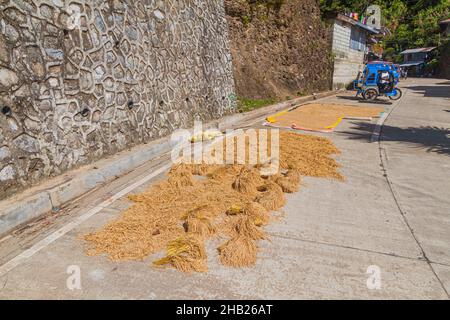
280,48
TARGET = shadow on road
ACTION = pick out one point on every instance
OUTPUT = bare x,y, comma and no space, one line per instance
441,90
353,98
433,139
360,100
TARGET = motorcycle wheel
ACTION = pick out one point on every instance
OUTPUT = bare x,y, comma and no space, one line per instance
370,94
398,95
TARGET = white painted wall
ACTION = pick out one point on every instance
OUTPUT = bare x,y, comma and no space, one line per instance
348,62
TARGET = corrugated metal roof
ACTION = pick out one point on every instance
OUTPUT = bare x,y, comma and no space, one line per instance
410,64
366,27
417,50
356,23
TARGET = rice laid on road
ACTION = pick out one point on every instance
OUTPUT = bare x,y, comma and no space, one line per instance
229,202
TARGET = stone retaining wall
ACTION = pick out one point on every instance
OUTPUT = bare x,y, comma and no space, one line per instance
83,79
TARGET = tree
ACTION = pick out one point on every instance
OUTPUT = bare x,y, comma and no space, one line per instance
413,23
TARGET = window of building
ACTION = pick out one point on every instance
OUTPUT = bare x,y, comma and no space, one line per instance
357,39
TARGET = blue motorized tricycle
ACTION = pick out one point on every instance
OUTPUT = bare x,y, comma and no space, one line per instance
376,80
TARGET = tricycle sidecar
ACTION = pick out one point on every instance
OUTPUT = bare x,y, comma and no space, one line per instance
378,80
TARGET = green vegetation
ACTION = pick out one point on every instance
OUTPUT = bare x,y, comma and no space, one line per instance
412,23
247,104
246,20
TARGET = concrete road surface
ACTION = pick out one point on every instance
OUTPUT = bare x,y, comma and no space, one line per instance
384,233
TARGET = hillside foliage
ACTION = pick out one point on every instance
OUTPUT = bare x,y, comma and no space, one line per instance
412,23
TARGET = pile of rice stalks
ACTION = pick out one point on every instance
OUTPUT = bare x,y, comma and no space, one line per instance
232,201
309,155
186,254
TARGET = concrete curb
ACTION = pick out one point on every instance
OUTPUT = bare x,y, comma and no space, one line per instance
52,195
24,208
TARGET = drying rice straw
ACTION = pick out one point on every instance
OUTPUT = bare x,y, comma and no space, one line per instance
186,254
238,252
180,213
